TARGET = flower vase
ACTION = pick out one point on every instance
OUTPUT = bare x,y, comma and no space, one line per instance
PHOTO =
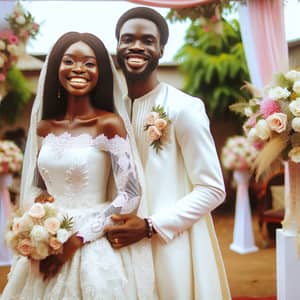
243,241
5,209
291,221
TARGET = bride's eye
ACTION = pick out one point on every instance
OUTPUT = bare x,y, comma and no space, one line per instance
67,61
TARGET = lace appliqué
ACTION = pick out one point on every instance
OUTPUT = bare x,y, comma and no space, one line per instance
128,189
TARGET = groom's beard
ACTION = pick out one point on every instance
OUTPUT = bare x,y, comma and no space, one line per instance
138,76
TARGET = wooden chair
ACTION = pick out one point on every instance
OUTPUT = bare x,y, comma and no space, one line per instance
269,214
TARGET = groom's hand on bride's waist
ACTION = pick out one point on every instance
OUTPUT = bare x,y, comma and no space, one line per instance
128,229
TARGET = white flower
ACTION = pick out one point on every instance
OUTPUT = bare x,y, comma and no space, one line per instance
296,87
62,235
277,122
296,124
252,135
20,20
278,93
263,130
294,107
294,154
292,75
39,233
2,45
248,112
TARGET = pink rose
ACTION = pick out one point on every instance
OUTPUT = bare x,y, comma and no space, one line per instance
160,123
25,247
37,211
277,122
55,244
154,133
151,118
52,225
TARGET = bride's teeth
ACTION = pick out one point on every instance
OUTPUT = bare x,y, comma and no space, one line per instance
80,80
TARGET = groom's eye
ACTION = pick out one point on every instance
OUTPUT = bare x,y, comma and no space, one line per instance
126,38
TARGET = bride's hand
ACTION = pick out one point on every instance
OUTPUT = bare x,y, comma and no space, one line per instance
51,265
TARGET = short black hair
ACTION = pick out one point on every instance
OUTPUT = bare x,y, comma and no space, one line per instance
148,14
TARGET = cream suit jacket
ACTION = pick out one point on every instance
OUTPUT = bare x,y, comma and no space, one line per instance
184,184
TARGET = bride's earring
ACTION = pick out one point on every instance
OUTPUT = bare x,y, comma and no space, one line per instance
59,93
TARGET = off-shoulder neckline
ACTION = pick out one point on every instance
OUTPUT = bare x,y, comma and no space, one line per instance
67,134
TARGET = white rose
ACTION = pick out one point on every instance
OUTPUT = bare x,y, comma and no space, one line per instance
39,233
294,107
294,154
296,87
277,122
2,45
263,130
41,251
292,75
278,93
62,235
20,20
296,124
252,135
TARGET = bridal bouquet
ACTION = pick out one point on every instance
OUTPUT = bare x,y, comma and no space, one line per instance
238,153
273,119
11,157
39,232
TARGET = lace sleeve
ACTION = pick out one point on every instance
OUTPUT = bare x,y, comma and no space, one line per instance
128,190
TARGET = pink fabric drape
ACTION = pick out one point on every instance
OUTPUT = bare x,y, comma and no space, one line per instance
264,34
171,3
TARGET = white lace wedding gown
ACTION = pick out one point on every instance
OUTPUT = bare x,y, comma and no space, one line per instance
76,172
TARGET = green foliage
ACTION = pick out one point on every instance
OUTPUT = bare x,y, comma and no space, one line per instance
19,94
214,65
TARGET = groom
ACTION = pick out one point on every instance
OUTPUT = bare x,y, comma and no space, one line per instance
183,176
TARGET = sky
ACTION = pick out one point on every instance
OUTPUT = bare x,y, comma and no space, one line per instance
100,17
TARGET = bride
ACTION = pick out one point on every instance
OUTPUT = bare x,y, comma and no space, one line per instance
79,151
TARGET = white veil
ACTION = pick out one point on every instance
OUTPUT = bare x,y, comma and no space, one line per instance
141,252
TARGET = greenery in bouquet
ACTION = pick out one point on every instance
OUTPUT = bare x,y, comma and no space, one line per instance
22,23
238,153
273,120
11,157
39,232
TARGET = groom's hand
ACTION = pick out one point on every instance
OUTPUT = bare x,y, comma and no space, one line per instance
129,229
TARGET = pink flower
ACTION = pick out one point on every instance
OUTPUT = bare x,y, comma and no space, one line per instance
153,133
55,244
269,107
2,77
150,119
52,225
25,247
160,123
37,211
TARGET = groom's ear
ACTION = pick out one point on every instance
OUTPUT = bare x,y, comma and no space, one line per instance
162,49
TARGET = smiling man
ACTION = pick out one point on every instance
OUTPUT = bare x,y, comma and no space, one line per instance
183,179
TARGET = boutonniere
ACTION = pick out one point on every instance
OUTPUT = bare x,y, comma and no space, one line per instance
157,127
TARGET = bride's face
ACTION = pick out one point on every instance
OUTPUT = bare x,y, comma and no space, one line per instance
78,71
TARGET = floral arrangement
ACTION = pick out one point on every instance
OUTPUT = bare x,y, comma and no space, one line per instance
39,232
9,52
274,119
238,153
22,23
156,126
11,157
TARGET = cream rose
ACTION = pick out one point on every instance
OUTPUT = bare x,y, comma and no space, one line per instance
252,135
292,75
2,45
55,244
152,117
154,133
160,123
62,235
296,124
37,211
277,122
294,107
278,93
20,20
263,130
52,225
294,154
41,251
25,247
39,233
296,87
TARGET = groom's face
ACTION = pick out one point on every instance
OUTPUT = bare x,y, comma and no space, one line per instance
139,49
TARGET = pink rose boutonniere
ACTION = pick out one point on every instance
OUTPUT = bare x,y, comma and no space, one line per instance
156,125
